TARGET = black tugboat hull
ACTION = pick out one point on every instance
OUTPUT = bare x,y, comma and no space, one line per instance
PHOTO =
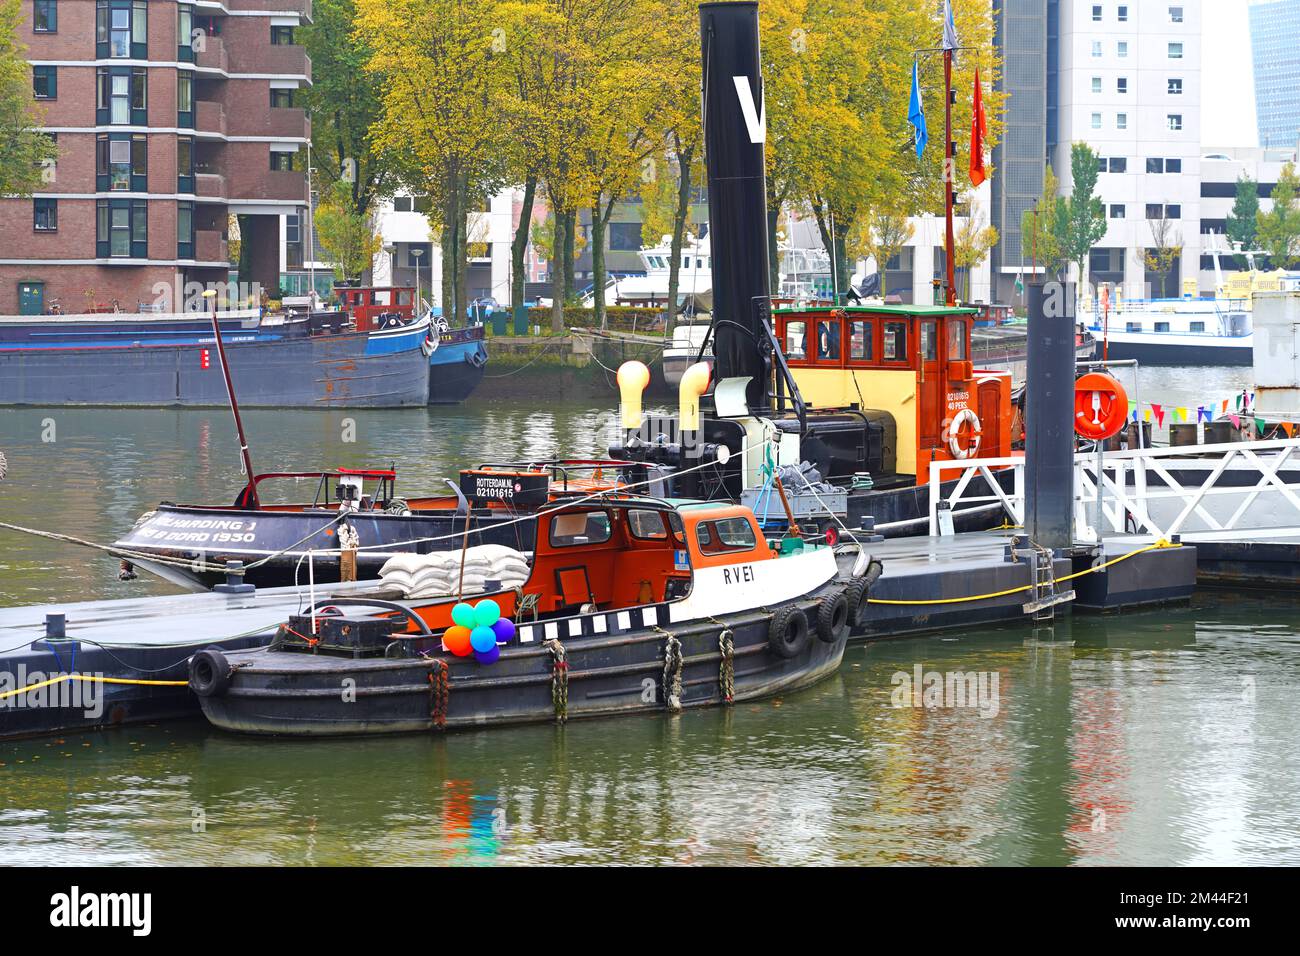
619,672
203,538
187,535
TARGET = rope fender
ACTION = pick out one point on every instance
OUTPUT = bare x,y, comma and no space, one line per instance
439,692
672,682
726,668
559,679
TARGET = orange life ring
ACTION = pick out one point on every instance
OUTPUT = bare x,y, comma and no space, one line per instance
1100,406
962,449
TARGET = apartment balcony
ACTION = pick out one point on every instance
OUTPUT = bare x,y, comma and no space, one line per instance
209,117
280,122
210,186
213,55
287,60
282,184
210,246
300,7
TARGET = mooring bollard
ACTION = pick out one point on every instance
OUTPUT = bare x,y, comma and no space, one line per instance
234,583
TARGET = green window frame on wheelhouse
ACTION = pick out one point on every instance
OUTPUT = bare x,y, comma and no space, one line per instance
121,229
121,29
121,96
121,162
185,230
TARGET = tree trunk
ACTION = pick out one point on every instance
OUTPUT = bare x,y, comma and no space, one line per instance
598,263
680,216
824,230
462,250
843,274
446,297
519,245
450,237
557,271
570,230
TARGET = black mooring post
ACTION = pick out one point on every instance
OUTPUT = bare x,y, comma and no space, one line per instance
1049,422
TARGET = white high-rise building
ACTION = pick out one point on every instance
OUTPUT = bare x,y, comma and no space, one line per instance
1129,85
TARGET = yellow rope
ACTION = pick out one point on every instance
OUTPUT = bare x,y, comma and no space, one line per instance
93,679
1162,543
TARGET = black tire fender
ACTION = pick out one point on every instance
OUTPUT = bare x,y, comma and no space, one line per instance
833,616
209,673
857,595
787,633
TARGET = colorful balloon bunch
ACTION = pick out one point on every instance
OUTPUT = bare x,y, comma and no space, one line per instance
476,630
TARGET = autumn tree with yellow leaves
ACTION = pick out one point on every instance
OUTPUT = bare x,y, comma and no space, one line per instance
837,79
588,102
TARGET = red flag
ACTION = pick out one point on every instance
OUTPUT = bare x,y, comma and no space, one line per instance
978,130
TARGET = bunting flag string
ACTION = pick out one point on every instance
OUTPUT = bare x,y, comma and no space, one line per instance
1242,417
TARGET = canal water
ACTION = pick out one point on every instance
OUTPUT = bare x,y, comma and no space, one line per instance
1163,737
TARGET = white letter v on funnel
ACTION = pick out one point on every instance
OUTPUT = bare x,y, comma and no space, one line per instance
755,122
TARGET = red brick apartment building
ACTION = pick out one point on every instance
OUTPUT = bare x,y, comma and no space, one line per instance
170,115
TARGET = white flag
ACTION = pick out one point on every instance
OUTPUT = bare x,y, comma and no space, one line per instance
949,28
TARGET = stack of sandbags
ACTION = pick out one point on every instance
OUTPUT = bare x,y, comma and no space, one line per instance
440,574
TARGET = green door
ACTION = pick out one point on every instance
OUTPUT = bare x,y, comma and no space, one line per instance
31,298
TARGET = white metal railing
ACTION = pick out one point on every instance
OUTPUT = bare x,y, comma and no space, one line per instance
1236,490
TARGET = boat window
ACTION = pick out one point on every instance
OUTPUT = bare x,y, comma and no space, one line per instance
795,332
895,344
1197,327
723,535
678,529
379,297
404,297
1162,326
828,340
956,340
930,340
646,524
583,527
860,340
1132,326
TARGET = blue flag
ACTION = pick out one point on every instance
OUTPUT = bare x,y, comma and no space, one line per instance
916,113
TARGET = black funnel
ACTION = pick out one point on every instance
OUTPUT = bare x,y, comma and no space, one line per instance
734,133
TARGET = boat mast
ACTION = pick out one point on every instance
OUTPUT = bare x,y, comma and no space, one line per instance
230,392
949,179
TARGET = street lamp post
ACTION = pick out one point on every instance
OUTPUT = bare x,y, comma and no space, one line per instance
415,254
